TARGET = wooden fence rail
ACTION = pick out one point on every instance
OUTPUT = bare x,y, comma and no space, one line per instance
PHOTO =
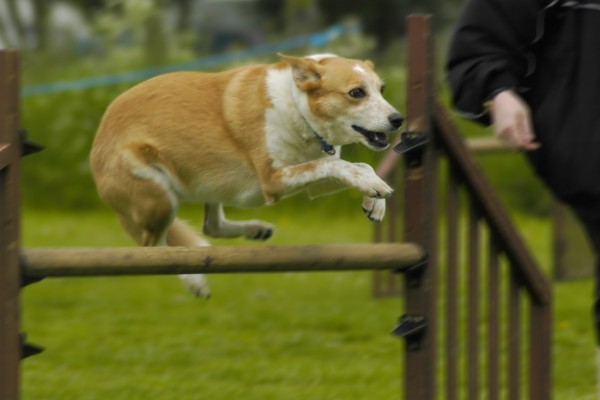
38,263
487,304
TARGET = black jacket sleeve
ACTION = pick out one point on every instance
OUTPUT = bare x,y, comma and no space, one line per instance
489,51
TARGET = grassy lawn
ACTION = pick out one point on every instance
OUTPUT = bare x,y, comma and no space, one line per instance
289,336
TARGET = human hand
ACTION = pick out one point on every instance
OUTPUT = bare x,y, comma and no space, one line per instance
512,121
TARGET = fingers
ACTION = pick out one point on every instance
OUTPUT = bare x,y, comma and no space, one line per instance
519,139
512,121
518,134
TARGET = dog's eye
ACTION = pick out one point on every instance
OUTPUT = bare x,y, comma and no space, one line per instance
357,93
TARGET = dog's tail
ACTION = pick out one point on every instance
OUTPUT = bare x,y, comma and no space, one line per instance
182,234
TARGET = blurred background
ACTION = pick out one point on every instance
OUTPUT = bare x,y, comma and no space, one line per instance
76,57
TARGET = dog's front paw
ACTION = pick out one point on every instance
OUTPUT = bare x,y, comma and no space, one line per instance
196,284
376,188
374,209
371,185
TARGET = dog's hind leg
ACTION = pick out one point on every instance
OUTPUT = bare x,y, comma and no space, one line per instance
217,226
181,234
177,234
147,223
146,205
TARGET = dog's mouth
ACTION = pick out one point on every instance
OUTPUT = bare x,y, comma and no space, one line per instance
378,140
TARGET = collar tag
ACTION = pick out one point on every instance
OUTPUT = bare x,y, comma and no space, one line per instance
327,148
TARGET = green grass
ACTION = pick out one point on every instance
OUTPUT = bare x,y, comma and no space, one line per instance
293,336
265,336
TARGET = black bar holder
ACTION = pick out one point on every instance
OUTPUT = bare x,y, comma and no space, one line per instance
411,327
412,145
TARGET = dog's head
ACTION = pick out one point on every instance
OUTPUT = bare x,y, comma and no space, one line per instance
343,100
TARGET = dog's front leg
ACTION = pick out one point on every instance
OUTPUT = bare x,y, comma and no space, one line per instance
359,176
373,208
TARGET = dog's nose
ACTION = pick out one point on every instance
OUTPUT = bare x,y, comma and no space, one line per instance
396,120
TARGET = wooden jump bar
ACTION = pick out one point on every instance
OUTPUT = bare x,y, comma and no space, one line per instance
84,262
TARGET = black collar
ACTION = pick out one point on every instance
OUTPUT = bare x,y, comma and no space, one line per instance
326,147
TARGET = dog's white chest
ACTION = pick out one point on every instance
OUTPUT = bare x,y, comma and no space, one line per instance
287,138
285,148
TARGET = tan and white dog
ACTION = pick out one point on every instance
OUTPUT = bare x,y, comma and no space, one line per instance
245,137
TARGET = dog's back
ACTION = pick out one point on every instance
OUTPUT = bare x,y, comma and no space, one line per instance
184,126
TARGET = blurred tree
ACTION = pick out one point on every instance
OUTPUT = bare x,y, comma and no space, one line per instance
155,37
293,17
274,10
41,10
301,16
184,16
16,19
385,19
89,7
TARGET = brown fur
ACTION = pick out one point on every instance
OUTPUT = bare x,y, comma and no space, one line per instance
201,137
171,117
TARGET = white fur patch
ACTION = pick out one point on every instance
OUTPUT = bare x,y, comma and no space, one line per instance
288,139
162,178
359,69
319,57
197,284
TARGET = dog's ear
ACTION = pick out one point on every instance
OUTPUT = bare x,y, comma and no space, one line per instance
369,64
306,72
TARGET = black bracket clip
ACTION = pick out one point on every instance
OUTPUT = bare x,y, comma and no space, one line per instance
27,146
414,273
27,280
412,145
411,327
28,349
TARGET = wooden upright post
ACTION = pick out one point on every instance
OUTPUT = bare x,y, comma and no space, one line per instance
420,178
10,280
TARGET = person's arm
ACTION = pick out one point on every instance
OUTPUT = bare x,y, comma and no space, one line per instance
488,60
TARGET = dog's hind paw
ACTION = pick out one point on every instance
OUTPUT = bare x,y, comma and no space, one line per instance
196,284
259,231
373,208
253,229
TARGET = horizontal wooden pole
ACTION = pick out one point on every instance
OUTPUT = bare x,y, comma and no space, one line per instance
490,144
80,262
